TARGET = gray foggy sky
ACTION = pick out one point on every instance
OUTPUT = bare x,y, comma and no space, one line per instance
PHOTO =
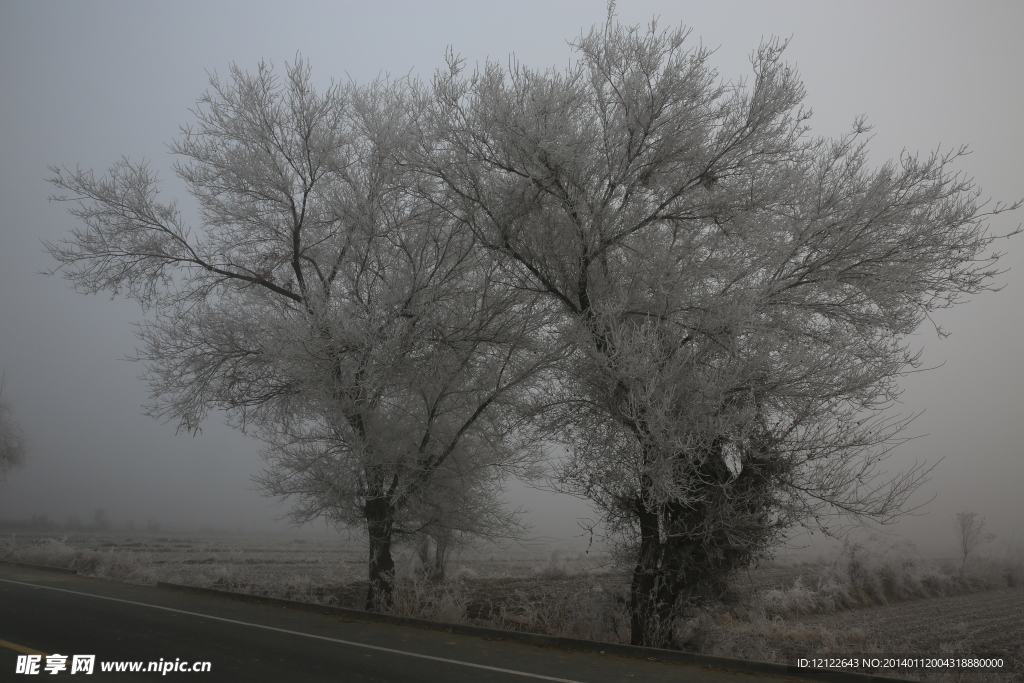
87,82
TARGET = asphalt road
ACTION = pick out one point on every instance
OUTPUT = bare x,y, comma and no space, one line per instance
44,612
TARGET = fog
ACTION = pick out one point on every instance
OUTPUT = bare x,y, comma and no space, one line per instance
84,83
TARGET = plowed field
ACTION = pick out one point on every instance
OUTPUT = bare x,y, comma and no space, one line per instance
988,623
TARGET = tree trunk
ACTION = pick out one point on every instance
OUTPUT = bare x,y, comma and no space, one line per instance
688,550
379,526
440,555
423,551
653,599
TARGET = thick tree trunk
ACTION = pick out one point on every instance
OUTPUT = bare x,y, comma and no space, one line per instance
380,526
652,592
688,550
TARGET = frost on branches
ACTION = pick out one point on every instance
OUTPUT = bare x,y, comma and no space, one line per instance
737,293
328,301
404,288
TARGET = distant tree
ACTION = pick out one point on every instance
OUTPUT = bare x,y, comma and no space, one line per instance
970,533
13,442
736,294
328,301
464,512
100,522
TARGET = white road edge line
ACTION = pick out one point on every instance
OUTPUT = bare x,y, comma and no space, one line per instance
300,633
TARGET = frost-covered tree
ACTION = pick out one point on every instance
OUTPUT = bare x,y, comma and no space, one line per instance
326,300
970,533
13,442
737,293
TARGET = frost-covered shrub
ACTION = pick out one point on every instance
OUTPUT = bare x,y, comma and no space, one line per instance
556,567
60,552
439,601
872,573
877,573
829,595
571,608
464,573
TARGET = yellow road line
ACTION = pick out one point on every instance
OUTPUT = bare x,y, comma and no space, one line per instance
21,648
